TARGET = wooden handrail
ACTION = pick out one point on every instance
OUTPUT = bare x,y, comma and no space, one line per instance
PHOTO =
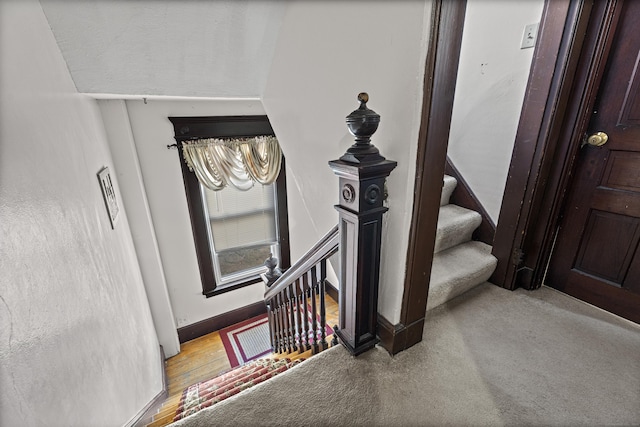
296,300
326,246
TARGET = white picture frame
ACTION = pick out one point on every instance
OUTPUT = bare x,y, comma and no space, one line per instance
109,195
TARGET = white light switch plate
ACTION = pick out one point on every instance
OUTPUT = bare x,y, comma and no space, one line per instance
529,36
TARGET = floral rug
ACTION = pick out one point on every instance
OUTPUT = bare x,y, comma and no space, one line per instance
207,393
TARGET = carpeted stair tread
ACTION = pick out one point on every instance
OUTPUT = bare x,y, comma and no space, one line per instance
459,269
448,186
215,386
455,226
208,393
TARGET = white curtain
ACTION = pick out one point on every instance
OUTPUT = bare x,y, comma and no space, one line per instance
238,162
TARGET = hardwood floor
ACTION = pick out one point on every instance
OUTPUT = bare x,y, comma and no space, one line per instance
204,358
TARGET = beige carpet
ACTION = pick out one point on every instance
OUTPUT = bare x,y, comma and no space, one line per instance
489,357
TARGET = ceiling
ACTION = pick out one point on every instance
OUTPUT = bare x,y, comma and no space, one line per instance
169,48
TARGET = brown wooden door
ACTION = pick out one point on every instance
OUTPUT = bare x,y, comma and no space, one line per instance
597,256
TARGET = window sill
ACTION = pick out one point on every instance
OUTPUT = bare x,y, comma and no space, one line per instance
221,289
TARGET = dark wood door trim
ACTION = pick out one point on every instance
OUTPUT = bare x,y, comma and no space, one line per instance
441,69
565,73
594,256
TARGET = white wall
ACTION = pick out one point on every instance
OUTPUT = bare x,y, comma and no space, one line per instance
158,47
326,54
77,342
160,169
492,78
125,158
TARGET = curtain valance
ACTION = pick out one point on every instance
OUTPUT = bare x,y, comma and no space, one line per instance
238,162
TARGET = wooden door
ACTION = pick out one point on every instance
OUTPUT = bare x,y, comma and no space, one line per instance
597,256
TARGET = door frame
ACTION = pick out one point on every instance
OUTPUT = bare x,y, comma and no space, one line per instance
565,75
440,76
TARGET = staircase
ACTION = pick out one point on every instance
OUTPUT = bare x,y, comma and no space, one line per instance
224,385
208,393
459,263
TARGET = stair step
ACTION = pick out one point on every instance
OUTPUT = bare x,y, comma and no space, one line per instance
455,226
208,393
304,355
458,269
163,417
448,186
168,409
163,420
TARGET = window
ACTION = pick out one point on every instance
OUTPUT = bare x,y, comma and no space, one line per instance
234,231
242,230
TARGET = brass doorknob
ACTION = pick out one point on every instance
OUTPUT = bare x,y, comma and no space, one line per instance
598,139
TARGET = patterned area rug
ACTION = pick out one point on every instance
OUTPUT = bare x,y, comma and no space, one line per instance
246,341
207,393
250,340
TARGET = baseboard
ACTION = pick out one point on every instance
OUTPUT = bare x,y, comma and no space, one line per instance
331,290
212,324
146,414
463,196
398,337
390,335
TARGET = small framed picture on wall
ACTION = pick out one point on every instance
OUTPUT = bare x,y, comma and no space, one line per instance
109,195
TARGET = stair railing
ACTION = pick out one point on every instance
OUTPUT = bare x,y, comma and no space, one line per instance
296,301
293,298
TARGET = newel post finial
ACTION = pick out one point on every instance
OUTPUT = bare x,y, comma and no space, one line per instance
362,172
362,124
273,272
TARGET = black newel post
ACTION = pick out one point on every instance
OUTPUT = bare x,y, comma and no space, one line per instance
362,172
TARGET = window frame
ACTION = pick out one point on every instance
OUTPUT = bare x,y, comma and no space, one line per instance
189,128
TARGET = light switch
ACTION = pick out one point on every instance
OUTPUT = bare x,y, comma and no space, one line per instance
529,36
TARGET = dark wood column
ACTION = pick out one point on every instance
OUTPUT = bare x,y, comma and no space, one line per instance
362,172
